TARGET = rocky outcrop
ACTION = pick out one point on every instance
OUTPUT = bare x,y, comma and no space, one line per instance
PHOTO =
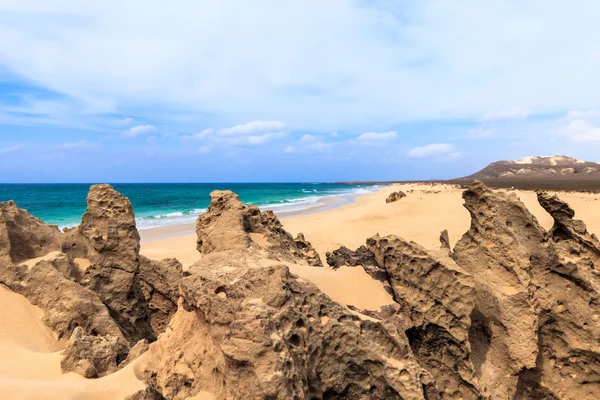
361,257
159,281
230,225
536,313
23,236
438,297
395,196
107,236
66,304
500,250
445,240
136,351
145,394
307,251
92,356
257,333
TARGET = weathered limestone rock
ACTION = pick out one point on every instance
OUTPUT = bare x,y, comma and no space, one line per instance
444,239
568,296
136,351
438,296
361,257
107,236
102,353
146,394
66,304
502,247
307,251
256,333
159,281
23,236
229,225
395,196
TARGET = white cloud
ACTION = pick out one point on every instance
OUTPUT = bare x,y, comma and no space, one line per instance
440,151
194,62
334,134
82,144
252,128
588,114
309,144
139,130
480,133
374,137
125,121
580,130
506,114
10,149
253,133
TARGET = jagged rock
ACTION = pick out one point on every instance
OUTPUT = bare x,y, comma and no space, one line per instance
229,225
565,226
502,247
23,236
107,236
444,240
140,348
395,196
100,352
159,281
307,251
361,257
258,333
568,295
439,297
145,394
66,304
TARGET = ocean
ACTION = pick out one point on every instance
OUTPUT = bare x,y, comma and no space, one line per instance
168,204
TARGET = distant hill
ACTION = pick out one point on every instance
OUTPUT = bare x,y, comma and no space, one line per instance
540,172
537,167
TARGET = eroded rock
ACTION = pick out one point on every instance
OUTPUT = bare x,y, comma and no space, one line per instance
23,236
395,196
92,356
361,257
257,333
230,225
159,281
500,250
438,296
66,304
107,236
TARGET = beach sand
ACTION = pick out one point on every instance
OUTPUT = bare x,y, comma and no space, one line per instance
30,354
421,216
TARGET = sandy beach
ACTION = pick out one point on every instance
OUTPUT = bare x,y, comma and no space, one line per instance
30,353
420,216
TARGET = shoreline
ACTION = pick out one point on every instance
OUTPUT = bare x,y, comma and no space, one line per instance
428,209
324,203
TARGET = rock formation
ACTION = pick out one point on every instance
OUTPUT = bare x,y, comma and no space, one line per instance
512,313
395,196
159,281
361,257
256,333
230,225
91,356
438,297
23,236
107,236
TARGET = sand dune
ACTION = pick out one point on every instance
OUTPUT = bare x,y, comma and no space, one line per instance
30,358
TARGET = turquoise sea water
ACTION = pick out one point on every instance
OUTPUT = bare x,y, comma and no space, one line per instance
167,204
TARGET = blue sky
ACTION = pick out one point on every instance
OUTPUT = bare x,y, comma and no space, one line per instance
292,91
